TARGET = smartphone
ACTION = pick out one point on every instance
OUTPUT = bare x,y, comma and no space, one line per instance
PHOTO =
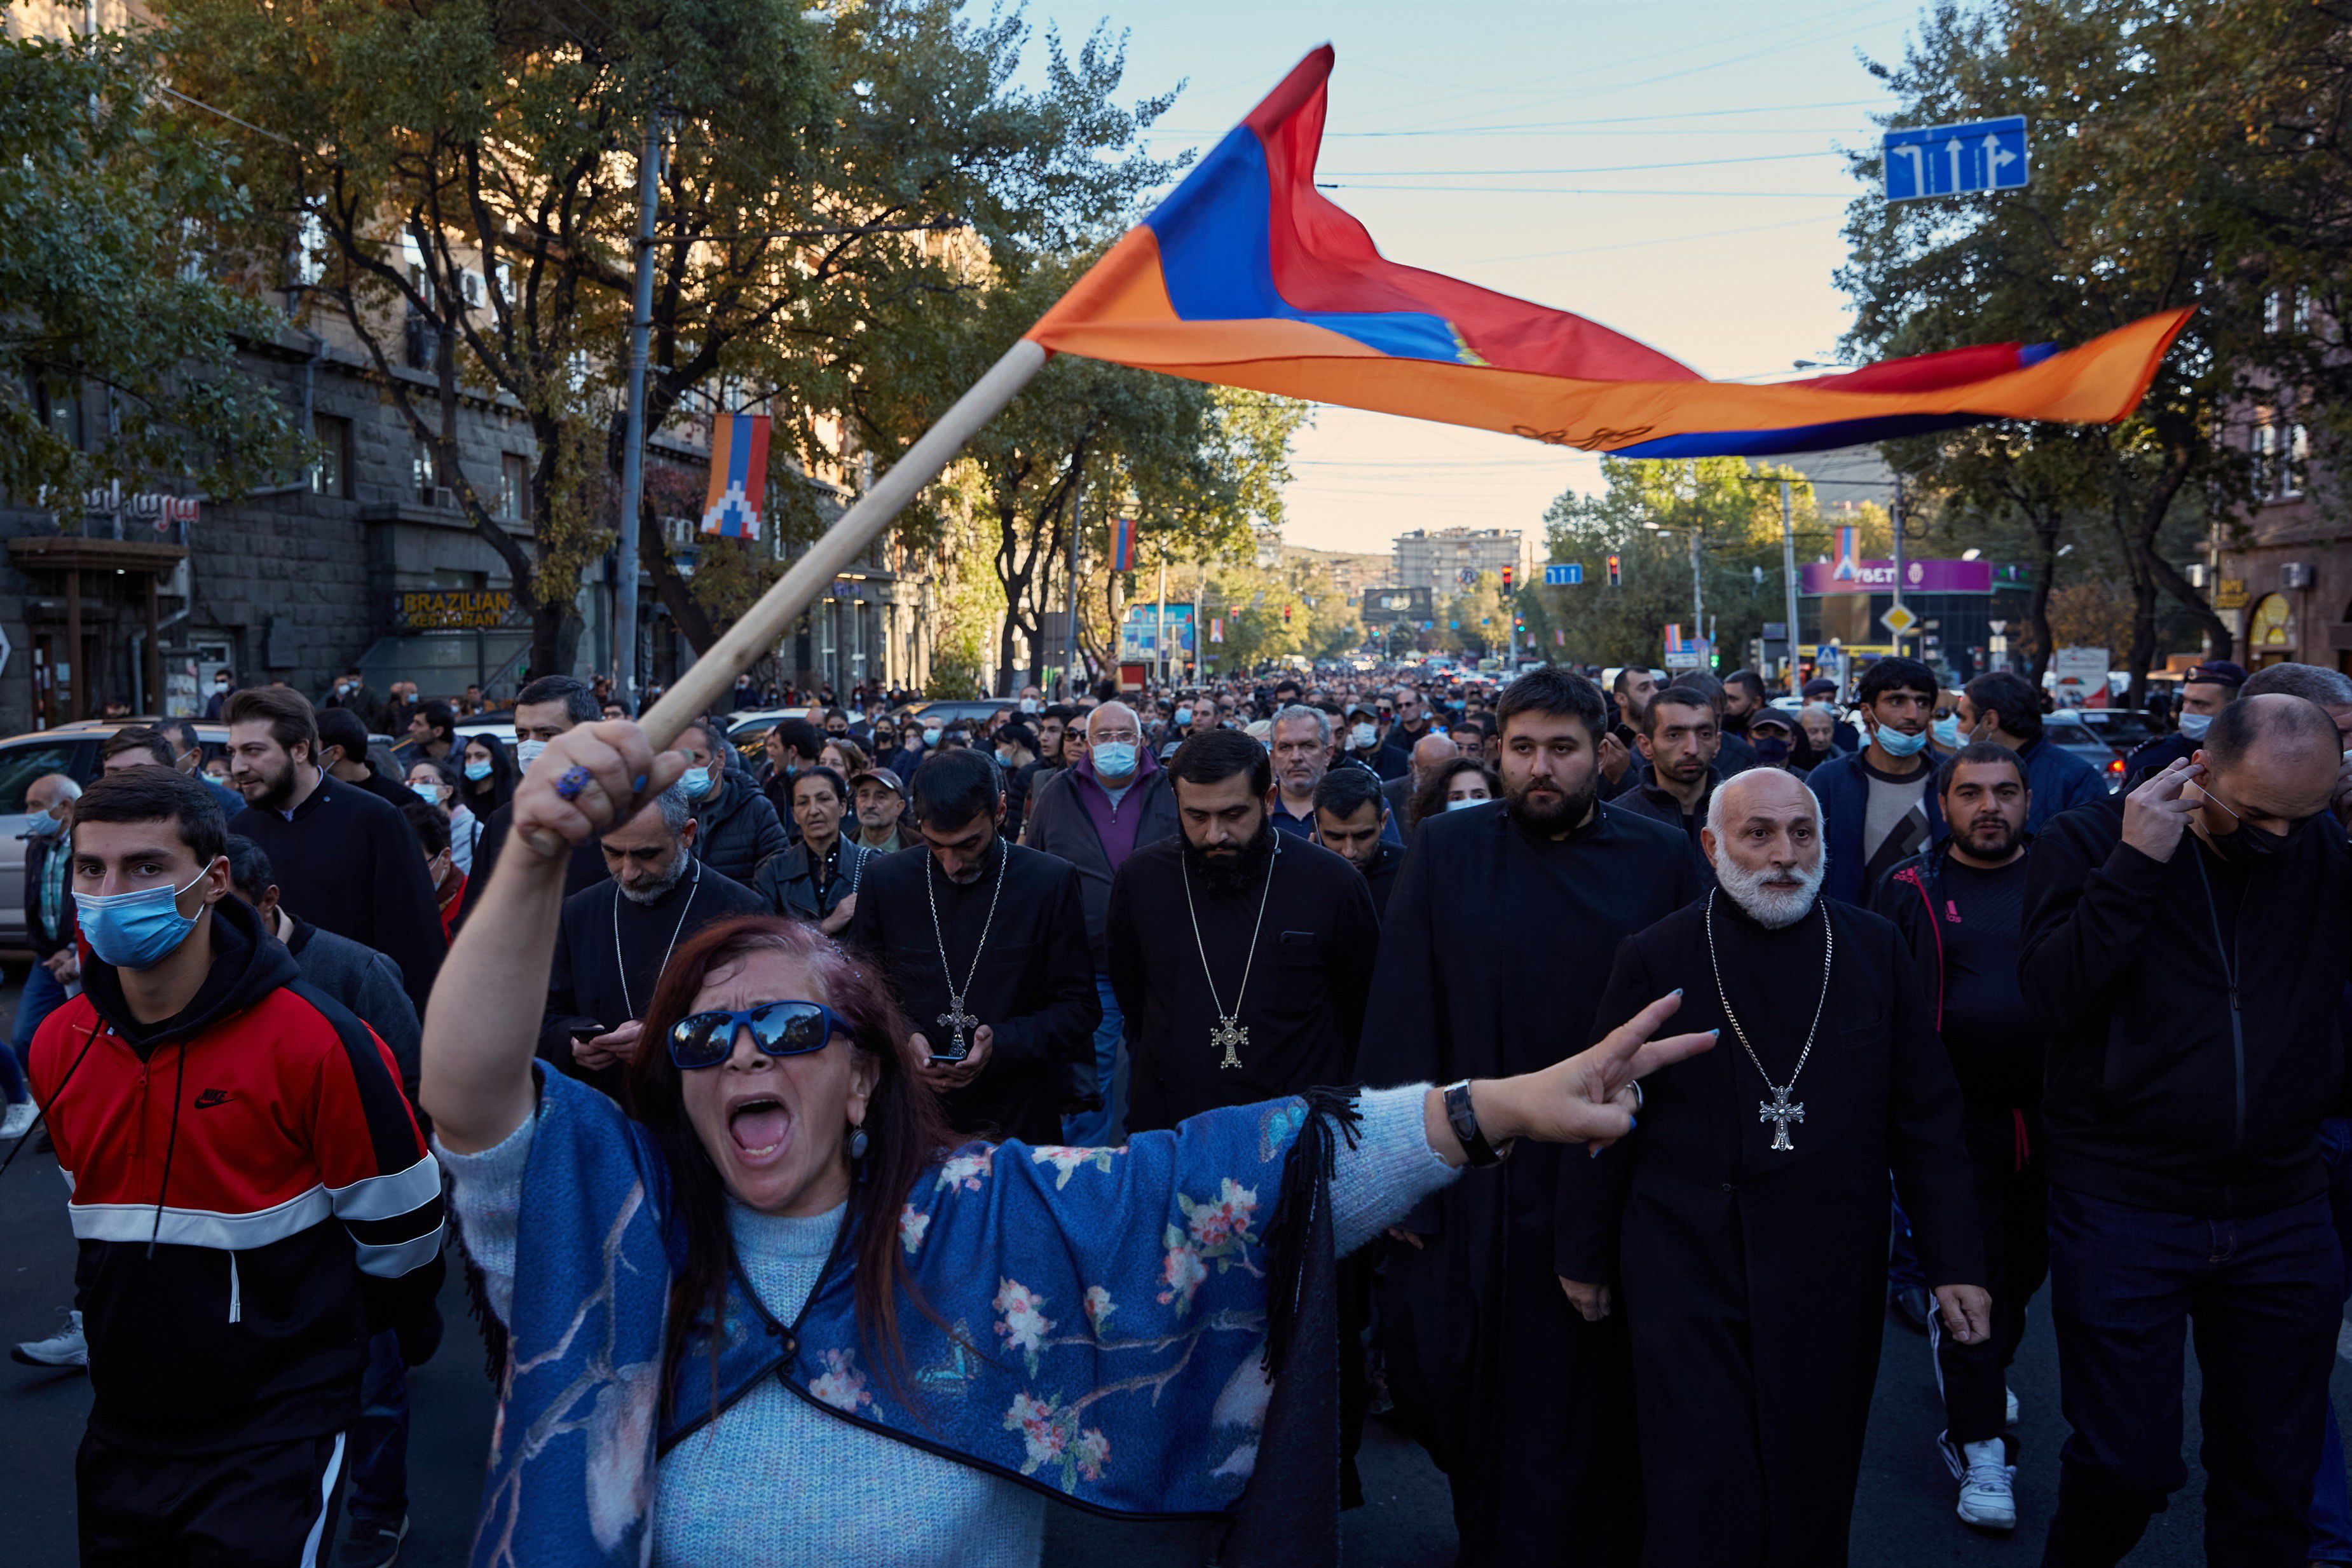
955,1053
587,1031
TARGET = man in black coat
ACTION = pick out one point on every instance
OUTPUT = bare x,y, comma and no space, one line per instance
1494,950
343,753
543,710
614,938
1244,961
1350,809
985,943
736,826
345,859
1747,1253
2185,949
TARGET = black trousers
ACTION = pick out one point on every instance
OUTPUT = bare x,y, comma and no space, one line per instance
267,1507
2261,1294
2014,1204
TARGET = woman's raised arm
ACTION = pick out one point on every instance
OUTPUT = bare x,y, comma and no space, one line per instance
481,1024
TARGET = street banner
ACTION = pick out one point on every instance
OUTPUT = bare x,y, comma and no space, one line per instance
738,475
1122,544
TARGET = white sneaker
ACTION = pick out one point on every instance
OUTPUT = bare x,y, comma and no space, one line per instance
1987,1500
64,1348
18,1120
2009,1416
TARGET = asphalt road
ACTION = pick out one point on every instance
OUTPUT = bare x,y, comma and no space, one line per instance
1903,1513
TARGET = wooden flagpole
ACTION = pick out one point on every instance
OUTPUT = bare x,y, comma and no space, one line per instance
713,674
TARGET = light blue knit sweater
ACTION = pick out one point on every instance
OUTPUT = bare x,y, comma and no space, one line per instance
776,1483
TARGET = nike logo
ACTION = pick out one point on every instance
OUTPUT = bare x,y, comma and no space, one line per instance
212,1097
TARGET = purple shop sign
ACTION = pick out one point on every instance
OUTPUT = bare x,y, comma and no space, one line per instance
1820,577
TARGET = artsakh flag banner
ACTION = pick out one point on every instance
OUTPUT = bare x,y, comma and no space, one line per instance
1247,276
1122,544
738,475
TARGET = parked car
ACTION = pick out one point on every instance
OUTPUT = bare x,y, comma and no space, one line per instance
70,749
974,710
2066,730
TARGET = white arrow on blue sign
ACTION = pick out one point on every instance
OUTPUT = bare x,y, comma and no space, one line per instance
1953,160
1567,576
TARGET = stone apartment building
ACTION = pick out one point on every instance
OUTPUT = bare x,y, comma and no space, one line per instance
1447,560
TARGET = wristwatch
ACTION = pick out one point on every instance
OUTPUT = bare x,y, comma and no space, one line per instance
1464,1120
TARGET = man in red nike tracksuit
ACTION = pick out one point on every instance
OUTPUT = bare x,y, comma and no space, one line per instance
249,1191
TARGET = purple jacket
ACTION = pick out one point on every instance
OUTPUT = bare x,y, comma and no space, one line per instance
1071,816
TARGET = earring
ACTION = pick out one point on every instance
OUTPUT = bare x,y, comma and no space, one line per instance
859,1144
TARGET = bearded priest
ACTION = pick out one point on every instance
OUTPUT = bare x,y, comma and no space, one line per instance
1747,1248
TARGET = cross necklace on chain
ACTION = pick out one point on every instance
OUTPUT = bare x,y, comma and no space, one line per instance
1229,1035
955,1018
1778,1110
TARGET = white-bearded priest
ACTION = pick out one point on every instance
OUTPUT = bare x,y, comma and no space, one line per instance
1741,1230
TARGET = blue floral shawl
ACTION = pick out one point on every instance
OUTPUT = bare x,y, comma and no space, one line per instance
1110,1310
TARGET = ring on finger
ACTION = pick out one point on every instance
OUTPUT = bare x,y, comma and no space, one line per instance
1636,1087
576,780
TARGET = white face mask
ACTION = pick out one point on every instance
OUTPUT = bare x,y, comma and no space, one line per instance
527,752
1363,737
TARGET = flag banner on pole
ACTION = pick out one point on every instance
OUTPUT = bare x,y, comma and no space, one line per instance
1674,637
1847,566
1122,544
738,475
1248,275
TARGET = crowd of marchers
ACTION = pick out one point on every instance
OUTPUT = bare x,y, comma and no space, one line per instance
984,1110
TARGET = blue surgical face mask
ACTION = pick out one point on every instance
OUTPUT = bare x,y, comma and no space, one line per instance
1894,743
1183,716
2193,726
527,752
696,783
427,792
135,930
1466,802
1113,759
931,737
1946,731
477,771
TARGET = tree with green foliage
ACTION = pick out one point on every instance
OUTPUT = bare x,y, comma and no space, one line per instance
2165,156
113,202
465,172
1646,516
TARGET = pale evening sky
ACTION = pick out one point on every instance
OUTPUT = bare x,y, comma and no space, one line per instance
1497,142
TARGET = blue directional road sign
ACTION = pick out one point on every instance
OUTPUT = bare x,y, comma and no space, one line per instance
1953,160
1567,576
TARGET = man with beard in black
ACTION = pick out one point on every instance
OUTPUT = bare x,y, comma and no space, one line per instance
1350,812
1495,946
985,943
1242,960
614,938
1961,910
1748,1253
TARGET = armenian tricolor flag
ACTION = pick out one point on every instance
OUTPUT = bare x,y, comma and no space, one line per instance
1248,275
1122,544
738,475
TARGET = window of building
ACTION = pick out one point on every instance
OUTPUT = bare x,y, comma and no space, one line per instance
2264,449
56,402
2278,309
514,486
2294,460
426,471
331,474
309,262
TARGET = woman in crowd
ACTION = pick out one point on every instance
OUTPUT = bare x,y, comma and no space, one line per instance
817,878
843,756
771,1315
436,784
1818,724
1462,782
486,778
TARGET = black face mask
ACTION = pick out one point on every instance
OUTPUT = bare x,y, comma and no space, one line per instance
2249,843
1770,750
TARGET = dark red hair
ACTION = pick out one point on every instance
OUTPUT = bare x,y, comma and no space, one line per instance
905,1132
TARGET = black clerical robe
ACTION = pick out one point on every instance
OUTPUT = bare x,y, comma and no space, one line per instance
608,979
1494,948
1034,984
1308,981
1382,875
349,863
1753,1280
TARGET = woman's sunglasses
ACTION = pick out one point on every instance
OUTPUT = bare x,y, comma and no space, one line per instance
779,1028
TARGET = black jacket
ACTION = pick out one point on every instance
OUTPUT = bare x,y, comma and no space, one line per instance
787,884
2167,1087
736,828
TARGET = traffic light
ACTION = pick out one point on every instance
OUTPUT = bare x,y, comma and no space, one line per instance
1285,615
1507,579
1615,579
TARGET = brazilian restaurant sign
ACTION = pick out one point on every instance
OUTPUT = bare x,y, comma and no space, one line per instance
455,609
